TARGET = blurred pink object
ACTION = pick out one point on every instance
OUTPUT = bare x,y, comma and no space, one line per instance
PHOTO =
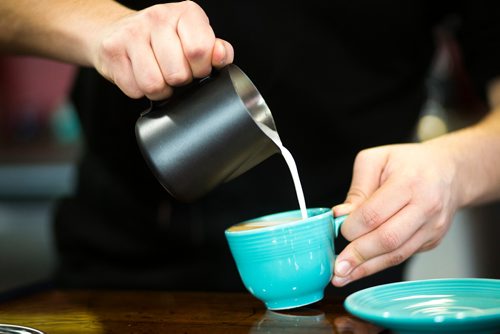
30,89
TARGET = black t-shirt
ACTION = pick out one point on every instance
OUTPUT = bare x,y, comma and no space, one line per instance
338,76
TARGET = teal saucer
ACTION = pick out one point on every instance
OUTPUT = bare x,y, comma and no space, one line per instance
469,305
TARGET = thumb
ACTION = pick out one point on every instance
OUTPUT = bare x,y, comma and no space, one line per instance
366,179
222,54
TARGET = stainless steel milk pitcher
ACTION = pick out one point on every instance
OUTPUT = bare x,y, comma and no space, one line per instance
206,135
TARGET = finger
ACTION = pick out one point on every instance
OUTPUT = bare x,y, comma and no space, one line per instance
367,171
383,261
436,233
384,203
170,57
147,72
223,53
123,77
431,244
386,239
197,39
342,209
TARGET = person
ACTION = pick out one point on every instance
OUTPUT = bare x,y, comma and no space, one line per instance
345,82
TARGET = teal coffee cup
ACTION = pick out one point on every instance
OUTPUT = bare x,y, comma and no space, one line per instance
284,260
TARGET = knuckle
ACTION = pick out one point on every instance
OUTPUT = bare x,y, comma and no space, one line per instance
395,259
129,90
126,84
178,78
111,49
371,217
366,156
435,243
358,257
362,156
440,227
389,240
153,85
157,13
204,70
191,6
430,245
198,51
133,93
434,202
359,272
133,30
414,181
355,192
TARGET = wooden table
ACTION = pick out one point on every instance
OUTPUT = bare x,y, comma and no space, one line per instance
71,312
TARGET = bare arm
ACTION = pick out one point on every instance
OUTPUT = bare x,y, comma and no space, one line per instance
403,197
60,29
143,52
476,151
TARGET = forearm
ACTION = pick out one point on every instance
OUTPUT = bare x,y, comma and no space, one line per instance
476,154
403,197
59,29
145,53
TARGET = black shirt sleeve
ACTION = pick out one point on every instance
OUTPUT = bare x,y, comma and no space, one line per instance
479,37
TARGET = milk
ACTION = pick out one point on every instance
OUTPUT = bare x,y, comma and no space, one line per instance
273,135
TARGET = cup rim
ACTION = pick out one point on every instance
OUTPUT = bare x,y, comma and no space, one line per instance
323,212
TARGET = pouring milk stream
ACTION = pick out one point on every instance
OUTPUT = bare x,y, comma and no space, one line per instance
292,166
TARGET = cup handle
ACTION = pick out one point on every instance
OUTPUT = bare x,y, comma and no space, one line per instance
337,222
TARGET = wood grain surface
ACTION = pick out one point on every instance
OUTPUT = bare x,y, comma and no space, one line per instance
58,312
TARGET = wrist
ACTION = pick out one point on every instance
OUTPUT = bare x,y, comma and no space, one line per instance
98,24
86,27
473,157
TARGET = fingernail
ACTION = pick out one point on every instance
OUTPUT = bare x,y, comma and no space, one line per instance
343,268
224,53
343,206
342,209
340,281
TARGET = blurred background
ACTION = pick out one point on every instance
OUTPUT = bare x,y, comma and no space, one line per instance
40,142
470,248
39,145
